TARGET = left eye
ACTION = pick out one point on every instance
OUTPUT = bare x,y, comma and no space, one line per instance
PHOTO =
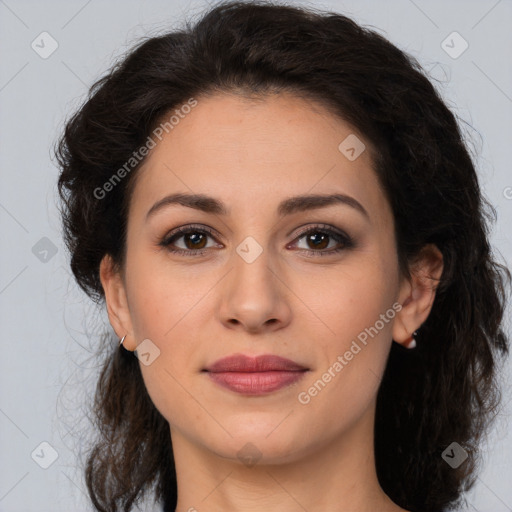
320,239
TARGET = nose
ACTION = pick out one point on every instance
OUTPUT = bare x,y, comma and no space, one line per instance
254,296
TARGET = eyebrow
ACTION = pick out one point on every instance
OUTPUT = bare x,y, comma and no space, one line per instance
288,206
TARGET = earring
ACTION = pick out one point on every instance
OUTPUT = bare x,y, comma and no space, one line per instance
121,342
411,342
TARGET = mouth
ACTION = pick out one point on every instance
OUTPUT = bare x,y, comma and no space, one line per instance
255,375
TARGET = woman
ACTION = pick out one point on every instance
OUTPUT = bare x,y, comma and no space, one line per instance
285,226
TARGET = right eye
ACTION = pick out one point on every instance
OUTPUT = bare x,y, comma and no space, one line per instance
194,240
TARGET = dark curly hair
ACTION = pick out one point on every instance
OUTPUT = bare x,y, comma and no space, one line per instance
446,389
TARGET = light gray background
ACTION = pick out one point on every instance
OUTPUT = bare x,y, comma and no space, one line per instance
47,368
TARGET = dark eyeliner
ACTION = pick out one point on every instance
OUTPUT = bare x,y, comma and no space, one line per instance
345,241
184,230
342,238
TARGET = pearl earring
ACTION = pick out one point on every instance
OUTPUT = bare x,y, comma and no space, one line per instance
411,342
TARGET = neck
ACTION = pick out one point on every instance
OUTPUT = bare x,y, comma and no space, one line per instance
339,475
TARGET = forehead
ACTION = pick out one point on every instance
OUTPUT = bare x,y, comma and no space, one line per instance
247,151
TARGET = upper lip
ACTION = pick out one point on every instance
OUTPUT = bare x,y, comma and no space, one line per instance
262,363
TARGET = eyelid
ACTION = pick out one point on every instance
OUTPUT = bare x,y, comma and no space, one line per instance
307,227
320,227
183,230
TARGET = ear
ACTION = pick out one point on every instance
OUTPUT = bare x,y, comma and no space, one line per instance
417,293
115,299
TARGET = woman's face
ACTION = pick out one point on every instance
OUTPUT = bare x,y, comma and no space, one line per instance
257,283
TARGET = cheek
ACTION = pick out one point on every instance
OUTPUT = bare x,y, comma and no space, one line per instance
158,295
356,305
352,299
162,304
352,357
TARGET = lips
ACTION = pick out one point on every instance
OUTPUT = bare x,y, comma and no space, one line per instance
255,375
264,363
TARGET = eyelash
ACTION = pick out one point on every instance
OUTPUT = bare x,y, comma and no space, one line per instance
339,237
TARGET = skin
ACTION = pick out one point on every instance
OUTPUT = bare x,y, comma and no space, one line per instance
197,309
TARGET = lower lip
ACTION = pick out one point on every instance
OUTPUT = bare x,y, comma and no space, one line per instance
256,383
